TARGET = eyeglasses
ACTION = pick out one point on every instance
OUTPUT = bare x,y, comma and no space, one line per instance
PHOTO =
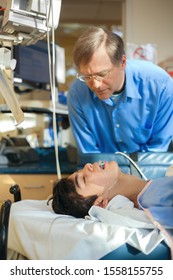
99,77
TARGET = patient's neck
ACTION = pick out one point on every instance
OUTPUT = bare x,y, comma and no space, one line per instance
129,186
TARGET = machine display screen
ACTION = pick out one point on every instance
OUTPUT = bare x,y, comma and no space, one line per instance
32,68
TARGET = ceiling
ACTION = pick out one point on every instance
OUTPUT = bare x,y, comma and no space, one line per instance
91,11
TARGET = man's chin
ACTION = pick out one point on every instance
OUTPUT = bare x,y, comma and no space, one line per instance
103,95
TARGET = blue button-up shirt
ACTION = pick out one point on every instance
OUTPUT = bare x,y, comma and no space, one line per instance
141,120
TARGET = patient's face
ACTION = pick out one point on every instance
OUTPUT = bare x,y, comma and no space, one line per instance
95,180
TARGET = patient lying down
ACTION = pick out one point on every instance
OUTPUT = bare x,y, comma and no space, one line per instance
107,197
93,185
97,185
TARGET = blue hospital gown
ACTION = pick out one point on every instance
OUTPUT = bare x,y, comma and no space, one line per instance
156,199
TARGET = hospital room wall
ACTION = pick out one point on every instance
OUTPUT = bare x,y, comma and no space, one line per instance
150,21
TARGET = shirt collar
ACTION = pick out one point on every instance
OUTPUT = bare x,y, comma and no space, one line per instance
130,88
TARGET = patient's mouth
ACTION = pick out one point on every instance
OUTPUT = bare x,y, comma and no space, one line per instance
101,164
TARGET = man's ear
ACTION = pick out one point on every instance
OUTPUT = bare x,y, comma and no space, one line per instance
100,201
124,60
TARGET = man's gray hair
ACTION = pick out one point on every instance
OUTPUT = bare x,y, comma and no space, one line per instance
92,39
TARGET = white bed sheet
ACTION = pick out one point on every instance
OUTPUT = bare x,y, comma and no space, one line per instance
36,232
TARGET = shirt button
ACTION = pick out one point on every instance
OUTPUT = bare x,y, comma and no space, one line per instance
117,125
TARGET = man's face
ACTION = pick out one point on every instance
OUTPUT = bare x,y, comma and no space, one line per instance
96,180
110,78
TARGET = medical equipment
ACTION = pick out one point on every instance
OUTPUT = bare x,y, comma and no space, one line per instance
134,164
32,68
6,86
26,22
22,22
101,164
4,221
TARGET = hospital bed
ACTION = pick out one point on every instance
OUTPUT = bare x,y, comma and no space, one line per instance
35,232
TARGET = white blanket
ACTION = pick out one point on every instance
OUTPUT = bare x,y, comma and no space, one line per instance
36,232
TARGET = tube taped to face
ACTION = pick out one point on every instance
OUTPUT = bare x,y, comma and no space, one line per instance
101,163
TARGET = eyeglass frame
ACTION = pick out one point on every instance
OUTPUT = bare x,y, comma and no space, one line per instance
97,77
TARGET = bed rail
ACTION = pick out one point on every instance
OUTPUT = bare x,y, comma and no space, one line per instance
4,221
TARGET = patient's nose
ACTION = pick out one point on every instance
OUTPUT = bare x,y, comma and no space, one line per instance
88,167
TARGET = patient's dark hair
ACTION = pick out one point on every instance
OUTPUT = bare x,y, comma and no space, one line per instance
65,199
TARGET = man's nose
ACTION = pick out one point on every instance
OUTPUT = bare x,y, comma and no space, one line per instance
96,83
